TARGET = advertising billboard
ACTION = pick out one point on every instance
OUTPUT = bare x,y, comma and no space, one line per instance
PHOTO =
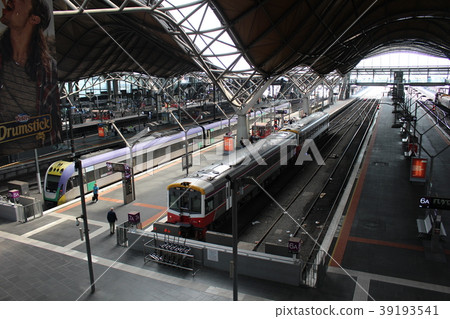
29,96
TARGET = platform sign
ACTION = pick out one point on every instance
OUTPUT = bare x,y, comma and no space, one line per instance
168,229
418,169
119,167
134,218
127,183
294,245
434,203
115,167
13,193
127,171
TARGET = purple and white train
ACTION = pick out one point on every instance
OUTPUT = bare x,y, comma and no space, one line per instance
61,180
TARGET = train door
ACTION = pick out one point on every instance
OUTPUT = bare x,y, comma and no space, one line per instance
228,194
208,138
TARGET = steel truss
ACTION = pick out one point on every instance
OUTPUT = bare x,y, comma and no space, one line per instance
421,76
210,44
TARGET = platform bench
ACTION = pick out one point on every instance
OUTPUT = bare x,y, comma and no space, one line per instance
424,226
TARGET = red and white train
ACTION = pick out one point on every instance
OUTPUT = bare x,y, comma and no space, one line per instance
203,197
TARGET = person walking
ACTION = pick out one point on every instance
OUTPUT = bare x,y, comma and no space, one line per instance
95,192
111,217
242,142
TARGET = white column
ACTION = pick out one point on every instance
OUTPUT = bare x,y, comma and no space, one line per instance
242,128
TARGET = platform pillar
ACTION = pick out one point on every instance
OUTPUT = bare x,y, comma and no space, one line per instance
305,104
242,128
330,95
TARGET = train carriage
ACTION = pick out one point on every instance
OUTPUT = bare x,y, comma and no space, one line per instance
203,197
200,199
443,100
61,180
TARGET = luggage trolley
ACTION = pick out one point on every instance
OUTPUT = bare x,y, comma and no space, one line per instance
172,251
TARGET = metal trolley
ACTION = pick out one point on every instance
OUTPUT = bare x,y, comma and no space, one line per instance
172,251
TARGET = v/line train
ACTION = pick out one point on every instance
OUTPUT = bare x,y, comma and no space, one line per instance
61,180
201,198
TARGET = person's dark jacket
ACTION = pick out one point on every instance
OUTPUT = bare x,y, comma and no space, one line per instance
111,217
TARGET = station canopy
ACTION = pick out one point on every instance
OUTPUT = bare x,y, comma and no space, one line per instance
102,39
273,36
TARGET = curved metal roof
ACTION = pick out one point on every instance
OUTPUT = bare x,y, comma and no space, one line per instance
116,41
274,35
332,34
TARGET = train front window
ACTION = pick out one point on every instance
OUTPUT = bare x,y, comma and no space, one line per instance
174,196
185,200
52,183
195,200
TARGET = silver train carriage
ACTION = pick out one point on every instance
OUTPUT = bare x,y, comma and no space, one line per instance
197,200
443,100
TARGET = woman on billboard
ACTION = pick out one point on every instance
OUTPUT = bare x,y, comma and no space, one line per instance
29,96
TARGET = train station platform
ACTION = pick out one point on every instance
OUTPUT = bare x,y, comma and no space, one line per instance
377,245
